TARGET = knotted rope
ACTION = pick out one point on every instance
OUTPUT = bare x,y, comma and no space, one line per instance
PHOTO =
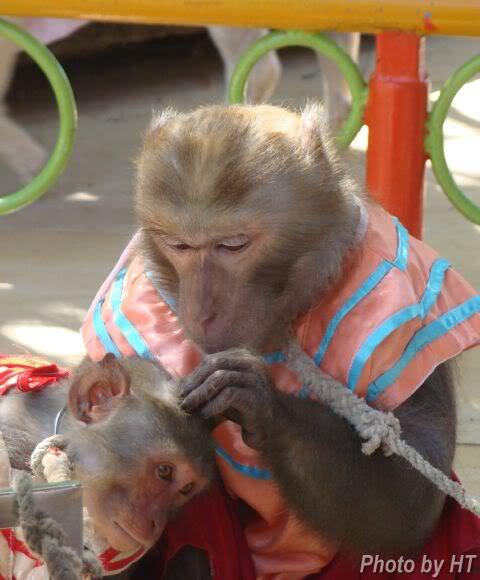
376,428
43,534
49,460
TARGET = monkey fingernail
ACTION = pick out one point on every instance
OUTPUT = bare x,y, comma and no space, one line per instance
187,405
186,390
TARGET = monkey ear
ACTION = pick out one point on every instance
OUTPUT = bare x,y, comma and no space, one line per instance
314,131
97,389
161,118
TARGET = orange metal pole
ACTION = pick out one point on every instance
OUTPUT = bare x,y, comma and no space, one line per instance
396,114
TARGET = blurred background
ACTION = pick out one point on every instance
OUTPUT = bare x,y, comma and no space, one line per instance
56,252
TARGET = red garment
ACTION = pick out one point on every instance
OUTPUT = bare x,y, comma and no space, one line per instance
457,534
210,522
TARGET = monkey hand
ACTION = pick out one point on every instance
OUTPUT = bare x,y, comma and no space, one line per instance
232,385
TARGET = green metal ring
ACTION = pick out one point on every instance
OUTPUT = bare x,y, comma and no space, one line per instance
434,139
68,119
319,43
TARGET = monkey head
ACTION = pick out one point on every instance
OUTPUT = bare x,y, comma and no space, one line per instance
246,215
138,456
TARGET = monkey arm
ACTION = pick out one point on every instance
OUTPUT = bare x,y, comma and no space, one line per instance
369,504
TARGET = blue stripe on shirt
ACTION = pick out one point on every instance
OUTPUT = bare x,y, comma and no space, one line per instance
127,328
421,339
400,262
396,320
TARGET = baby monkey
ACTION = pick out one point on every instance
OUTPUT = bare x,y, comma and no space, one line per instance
138,456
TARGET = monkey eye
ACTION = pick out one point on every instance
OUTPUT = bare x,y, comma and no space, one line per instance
164,471
186,489
235,244
180,246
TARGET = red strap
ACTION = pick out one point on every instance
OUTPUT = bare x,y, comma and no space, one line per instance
36,379
27,374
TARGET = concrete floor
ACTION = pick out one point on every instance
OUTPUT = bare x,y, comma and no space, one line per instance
57,252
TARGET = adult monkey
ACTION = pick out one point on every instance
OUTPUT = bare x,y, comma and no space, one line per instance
250,227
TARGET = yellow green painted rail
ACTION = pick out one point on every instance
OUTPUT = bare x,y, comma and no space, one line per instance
434,126
317,42
434,139
68,119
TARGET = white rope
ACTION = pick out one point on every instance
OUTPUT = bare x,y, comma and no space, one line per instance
49,460
376,428
44,536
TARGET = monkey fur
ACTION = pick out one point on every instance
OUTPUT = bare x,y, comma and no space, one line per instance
247,218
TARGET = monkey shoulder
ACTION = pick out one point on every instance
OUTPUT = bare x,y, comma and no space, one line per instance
374,330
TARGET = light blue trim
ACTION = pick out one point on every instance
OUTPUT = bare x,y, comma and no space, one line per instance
392,323
401,259
400,262
131,334
102,332
274,357
434,285
422,338
248,470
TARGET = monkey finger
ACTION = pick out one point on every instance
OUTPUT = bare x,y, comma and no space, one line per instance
237,406
222,406
214,384
231,360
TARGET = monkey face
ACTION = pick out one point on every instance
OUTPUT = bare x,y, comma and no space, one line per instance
220,298
237,210
138,456
131,509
